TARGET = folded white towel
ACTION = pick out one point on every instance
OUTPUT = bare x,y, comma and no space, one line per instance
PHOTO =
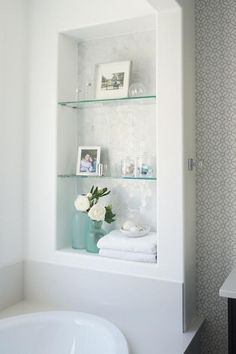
129,256
115,240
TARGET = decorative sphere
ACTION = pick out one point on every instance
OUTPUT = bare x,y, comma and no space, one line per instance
137,89
134,229
127,225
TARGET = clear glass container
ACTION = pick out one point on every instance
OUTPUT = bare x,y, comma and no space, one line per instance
128,166
144,166
137,89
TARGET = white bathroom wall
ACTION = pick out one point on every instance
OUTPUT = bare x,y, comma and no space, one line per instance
176,129
11,284
13,54
47,18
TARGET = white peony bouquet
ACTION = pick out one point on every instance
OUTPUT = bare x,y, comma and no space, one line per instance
89,203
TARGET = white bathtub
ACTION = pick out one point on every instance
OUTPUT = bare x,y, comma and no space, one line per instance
60,333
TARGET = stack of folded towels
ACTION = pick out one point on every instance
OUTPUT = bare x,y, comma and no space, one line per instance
140,249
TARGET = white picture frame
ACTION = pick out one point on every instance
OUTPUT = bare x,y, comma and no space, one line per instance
88,160
112,80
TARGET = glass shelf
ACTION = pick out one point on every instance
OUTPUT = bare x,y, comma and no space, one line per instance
111,177
111,101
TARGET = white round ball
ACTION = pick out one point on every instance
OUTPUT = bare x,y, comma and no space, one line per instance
134,229
127,225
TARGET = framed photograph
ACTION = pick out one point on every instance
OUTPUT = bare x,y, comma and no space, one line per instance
113,80
88,160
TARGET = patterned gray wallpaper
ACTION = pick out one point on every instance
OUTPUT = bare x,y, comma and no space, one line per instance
216,146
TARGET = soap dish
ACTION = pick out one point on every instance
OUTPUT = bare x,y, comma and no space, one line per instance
142,231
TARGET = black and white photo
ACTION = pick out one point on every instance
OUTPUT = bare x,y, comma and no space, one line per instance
113,80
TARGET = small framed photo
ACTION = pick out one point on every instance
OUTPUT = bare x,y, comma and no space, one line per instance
88,160
113,80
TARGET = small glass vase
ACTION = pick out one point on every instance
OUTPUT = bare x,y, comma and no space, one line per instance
137,88
144,166
128,166
80,227
94,234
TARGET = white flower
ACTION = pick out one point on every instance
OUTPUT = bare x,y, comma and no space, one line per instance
89,195
82,203
97,212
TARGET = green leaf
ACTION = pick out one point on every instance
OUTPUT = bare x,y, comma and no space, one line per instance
106,193
109,216
96,194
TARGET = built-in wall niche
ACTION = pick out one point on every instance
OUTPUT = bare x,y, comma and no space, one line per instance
122,128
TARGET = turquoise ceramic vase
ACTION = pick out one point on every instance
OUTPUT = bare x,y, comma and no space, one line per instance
80,228
95,232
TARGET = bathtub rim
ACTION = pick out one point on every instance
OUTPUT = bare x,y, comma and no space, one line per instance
120,339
